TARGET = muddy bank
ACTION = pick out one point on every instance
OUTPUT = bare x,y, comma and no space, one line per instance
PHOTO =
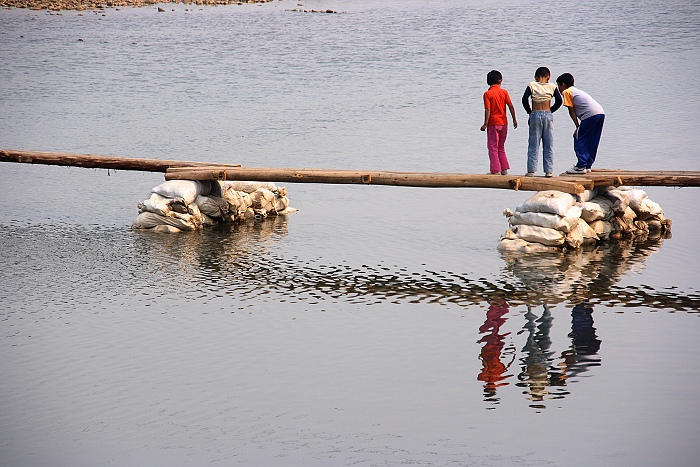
79,5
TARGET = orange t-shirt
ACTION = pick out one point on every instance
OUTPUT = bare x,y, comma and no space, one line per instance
496,99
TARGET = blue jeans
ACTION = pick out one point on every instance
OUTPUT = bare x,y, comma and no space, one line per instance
541,125
587,140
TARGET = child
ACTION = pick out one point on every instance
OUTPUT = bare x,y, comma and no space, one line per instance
496,122
540,120
587,134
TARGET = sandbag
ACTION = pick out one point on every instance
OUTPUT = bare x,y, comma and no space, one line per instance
543,235
148,220
648,209
596,209
161,205
620,200
245,186
212,206
185,189
602,228
580,235
518,245
636,195
550,201
543,219
264,199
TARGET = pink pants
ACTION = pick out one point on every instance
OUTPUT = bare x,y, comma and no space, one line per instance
496,143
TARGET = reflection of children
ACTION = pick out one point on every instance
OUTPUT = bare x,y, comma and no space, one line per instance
496,122
540,121
493,372
587,134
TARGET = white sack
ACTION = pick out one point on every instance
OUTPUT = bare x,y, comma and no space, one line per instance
518,245
580,235
247,187
543,219
596,209
185,189
602,228
148,220
543,235
161,205
551,201
264,199
212,206
620,200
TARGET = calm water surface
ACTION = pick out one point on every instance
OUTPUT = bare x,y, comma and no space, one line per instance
378,325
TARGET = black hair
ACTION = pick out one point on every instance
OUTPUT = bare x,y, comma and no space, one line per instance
566,79
542,72
493,77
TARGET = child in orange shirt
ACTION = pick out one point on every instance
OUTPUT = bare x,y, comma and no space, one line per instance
496,122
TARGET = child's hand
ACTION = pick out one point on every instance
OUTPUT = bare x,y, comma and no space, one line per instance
483,127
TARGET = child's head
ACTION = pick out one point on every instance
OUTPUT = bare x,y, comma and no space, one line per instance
566,80
542,72
493,77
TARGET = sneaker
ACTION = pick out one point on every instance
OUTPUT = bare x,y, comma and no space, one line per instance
576,170
549,174
530,174
504,172
588,170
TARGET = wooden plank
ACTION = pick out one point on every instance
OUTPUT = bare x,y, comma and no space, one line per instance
414,179
95,162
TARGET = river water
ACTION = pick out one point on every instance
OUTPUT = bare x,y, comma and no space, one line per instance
377,325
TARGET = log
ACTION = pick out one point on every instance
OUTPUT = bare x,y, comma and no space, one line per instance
97,162
414,179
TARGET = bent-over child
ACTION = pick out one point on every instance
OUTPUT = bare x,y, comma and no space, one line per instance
591,115
496,122
540,120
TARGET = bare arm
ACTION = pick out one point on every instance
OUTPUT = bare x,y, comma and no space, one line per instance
487,114
512,113
572,114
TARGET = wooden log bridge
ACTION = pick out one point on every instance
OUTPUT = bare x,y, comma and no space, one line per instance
189,170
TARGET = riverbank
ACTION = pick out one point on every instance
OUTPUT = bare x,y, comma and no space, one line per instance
80,5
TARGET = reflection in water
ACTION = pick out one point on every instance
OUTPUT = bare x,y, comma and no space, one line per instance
585,344
493,373
544,376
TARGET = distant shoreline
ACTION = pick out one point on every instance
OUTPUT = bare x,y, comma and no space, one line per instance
82,5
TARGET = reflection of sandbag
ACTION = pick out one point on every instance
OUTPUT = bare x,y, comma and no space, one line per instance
212,206
596,209
551,201
544,219
543,235
186,189
265,199
148,220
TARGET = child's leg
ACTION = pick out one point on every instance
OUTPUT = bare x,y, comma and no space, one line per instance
492,145
548,142
533,142
502,158
596,132
582,144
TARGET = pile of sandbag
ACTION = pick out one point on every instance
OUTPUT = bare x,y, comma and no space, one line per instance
178,205
553,220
